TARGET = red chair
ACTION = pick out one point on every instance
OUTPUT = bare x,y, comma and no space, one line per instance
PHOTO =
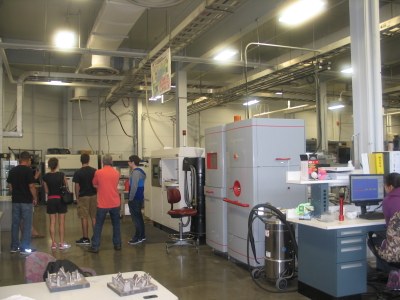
180,239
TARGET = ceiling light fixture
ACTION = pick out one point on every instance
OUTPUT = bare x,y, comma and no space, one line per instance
225,55
157,98
279,93
251,102
347,70
65,39
302,11
337,104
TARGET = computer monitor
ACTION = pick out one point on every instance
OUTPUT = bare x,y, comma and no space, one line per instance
366,189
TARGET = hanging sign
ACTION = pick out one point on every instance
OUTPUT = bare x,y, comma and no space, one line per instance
161,74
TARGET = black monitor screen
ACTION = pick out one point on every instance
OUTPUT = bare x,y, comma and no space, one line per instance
366,189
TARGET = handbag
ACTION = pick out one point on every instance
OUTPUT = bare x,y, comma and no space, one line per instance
66,196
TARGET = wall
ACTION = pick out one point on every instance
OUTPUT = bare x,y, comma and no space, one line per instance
45,125
42,120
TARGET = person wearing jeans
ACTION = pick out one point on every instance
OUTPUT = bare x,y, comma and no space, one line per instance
98,228
136,197
22,186
108,201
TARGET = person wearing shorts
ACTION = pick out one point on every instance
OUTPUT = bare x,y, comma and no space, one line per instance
56,208
86,196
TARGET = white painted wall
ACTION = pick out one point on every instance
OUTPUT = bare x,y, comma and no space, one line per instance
45,123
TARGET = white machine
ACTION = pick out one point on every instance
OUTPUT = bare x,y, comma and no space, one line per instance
6,166
68,164
167,172
215,189
259,153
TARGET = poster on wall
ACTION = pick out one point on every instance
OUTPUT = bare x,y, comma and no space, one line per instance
161,74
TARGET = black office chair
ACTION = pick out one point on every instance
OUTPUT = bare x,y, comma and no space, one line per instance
180,239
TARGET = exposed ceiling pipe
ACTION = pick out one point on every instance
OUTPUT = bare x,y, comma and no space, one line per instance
7,65
296,108
18,131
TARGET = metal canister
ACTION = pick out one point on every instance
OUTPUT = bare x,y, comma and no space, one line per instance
279,254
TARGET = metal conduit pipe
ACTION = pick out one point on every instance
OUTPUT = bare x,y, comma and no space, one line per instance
267,45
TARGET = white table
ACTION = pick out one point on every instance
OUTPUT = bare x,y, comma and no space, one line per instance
98,290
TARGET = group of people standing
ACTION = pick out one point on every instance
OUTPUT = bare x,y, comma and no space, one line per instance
96,194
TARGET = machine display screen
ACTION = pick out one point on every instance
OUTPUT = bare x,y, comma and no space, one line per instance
366,189
212,161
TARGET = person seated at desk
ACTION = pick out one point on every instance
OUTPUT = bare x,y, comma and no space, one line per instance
389,249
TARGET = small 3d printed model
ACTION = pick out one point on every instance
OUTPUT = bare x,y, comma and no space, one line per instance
63,281
135,285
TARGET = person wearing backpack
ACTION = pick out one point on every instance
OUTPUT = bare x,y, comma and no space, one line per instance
136,197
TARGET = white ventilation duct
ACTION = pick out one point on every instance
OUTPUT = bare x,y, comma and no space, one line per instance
101,66
156,3
113,24
80,94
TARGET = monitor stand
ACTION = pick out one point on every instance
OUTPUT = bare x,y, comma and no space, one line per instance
363,210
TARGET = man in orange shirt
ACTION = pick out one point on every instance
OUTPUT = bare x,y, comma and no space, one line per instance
108,201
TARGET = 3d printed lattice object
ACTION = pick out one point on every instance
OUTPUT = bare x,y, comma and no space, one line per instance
135,285
64,281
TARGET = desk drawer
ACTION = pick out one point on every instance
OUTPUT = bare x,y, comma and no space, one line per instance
351,248
350,232
351,278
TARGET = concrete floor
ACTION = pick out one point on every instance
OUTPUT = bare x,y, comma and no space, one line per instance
184,272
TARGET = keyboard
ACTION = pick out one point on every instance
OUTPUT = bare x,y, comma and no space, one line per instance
372,215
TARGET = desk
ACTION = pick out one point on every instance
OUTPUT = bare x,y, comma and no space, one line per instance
98,290
332,257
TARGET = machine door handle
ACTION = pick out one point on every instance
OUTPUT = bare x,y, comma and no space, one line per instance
282,158
237,203
209,192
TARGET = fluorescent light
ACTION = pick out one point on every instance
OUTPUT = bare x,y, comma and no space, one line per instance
281,110
335,105
55,82
157,98
64,39
301,11
278,93
251,102
225,55
348,70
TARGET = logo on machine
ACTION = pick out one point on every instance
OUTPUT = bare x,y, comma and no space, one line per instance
236,188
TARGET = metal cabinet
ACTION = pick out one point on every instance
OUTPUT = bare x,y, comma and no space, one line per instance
332,262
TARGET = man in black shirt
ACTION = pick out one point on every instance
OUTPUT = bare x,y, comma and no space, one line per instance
86,196
22,186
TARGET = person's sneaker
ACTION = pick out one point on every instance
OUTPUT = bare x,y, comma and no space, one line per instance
143,239
63,246
117,247
83,241
27,251
93,250
16,250
135,241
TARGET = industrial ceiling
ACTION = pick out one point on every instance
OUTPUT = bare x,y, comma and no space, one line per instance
118,40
